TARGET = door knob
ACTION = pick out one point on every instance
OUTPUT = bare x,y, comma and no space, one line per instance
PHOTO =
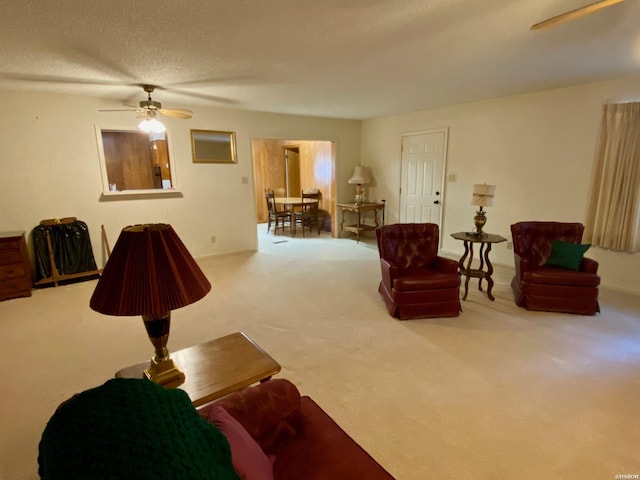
437,202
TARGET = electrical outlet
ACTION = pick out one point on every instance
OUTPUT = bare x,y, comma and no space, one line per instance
509,245
213,239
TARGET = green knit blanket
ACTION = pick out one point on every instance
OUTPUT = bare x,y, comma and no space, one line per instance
132,429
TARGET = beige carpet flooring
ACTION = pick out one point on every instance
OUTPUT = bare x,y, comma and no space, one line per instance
496,393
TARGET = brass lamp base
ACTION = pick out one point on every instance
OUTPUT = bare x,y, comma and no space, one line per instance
359,194
161,369
480,219
164,372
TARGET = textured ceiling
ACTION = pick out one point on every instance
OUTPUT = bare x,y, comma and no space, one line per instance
334,58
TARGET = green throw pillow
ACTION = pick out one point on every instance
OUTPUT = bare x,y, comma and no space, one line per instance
566,255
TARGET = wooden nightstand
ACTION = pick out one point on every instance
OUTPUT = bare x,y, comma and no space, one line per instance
15,269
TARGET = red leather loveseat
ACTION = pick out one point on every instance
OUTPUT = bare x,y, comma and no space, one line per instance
542,285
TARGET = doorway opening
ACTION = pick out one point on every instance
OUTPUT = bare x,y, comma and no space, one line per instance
292,170
289,167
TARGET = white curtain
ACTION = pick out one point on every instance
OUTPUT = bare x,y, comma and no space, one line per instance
613,216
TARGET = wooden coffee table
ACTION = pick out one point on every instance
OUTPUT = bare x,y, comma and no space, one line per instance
216,368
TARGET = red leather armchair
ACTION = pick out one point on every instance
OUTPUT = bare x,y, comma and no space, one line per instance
416,282
537,286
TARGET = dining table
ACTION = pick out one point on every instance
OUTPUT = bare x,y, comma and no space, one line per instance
292,202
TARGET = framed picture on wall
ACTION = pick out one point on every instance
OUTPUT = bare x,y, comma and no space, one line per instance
213,146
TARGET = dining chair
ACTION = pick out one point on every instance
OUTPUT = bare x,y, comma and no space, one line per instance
307,216
279,218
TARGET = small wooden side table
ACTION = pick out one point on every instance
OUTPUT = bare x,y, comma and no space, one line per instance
216,368
485,241
359,208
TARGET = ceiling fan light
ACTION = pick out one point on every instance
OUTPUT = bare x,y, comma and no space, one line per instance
151,125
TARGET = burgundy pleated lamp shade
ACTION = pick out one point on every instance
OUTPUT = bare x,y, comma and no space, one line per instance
149,272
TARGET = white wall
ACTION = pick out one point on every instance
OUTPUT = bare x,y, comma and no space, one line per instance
49,168
537,148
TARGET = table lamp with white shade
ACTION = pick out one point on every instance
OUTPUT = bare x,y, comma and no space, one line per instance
359,178
482,197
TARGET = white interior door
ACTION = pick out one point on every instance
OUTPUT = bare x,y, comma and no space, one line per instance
421,180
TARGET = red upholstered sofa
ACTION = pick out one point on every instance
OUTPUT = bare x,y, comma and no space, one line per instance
133,428
538,286
416,282
306,442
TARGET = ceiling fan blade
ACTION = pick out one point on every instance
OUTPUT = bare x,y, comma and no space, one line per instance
176,113
59,80
149,108
575,14
120,110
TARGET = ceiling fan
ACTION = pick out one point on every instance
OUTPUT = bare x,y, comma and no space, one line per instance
149,108
575,14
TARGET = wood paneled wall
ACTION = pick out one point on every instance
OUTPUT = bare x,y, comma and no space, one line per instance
133,161
317,170
269,171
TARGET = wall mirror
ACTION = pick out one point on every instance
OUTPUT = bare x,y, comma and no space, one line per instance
211,146
135,162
